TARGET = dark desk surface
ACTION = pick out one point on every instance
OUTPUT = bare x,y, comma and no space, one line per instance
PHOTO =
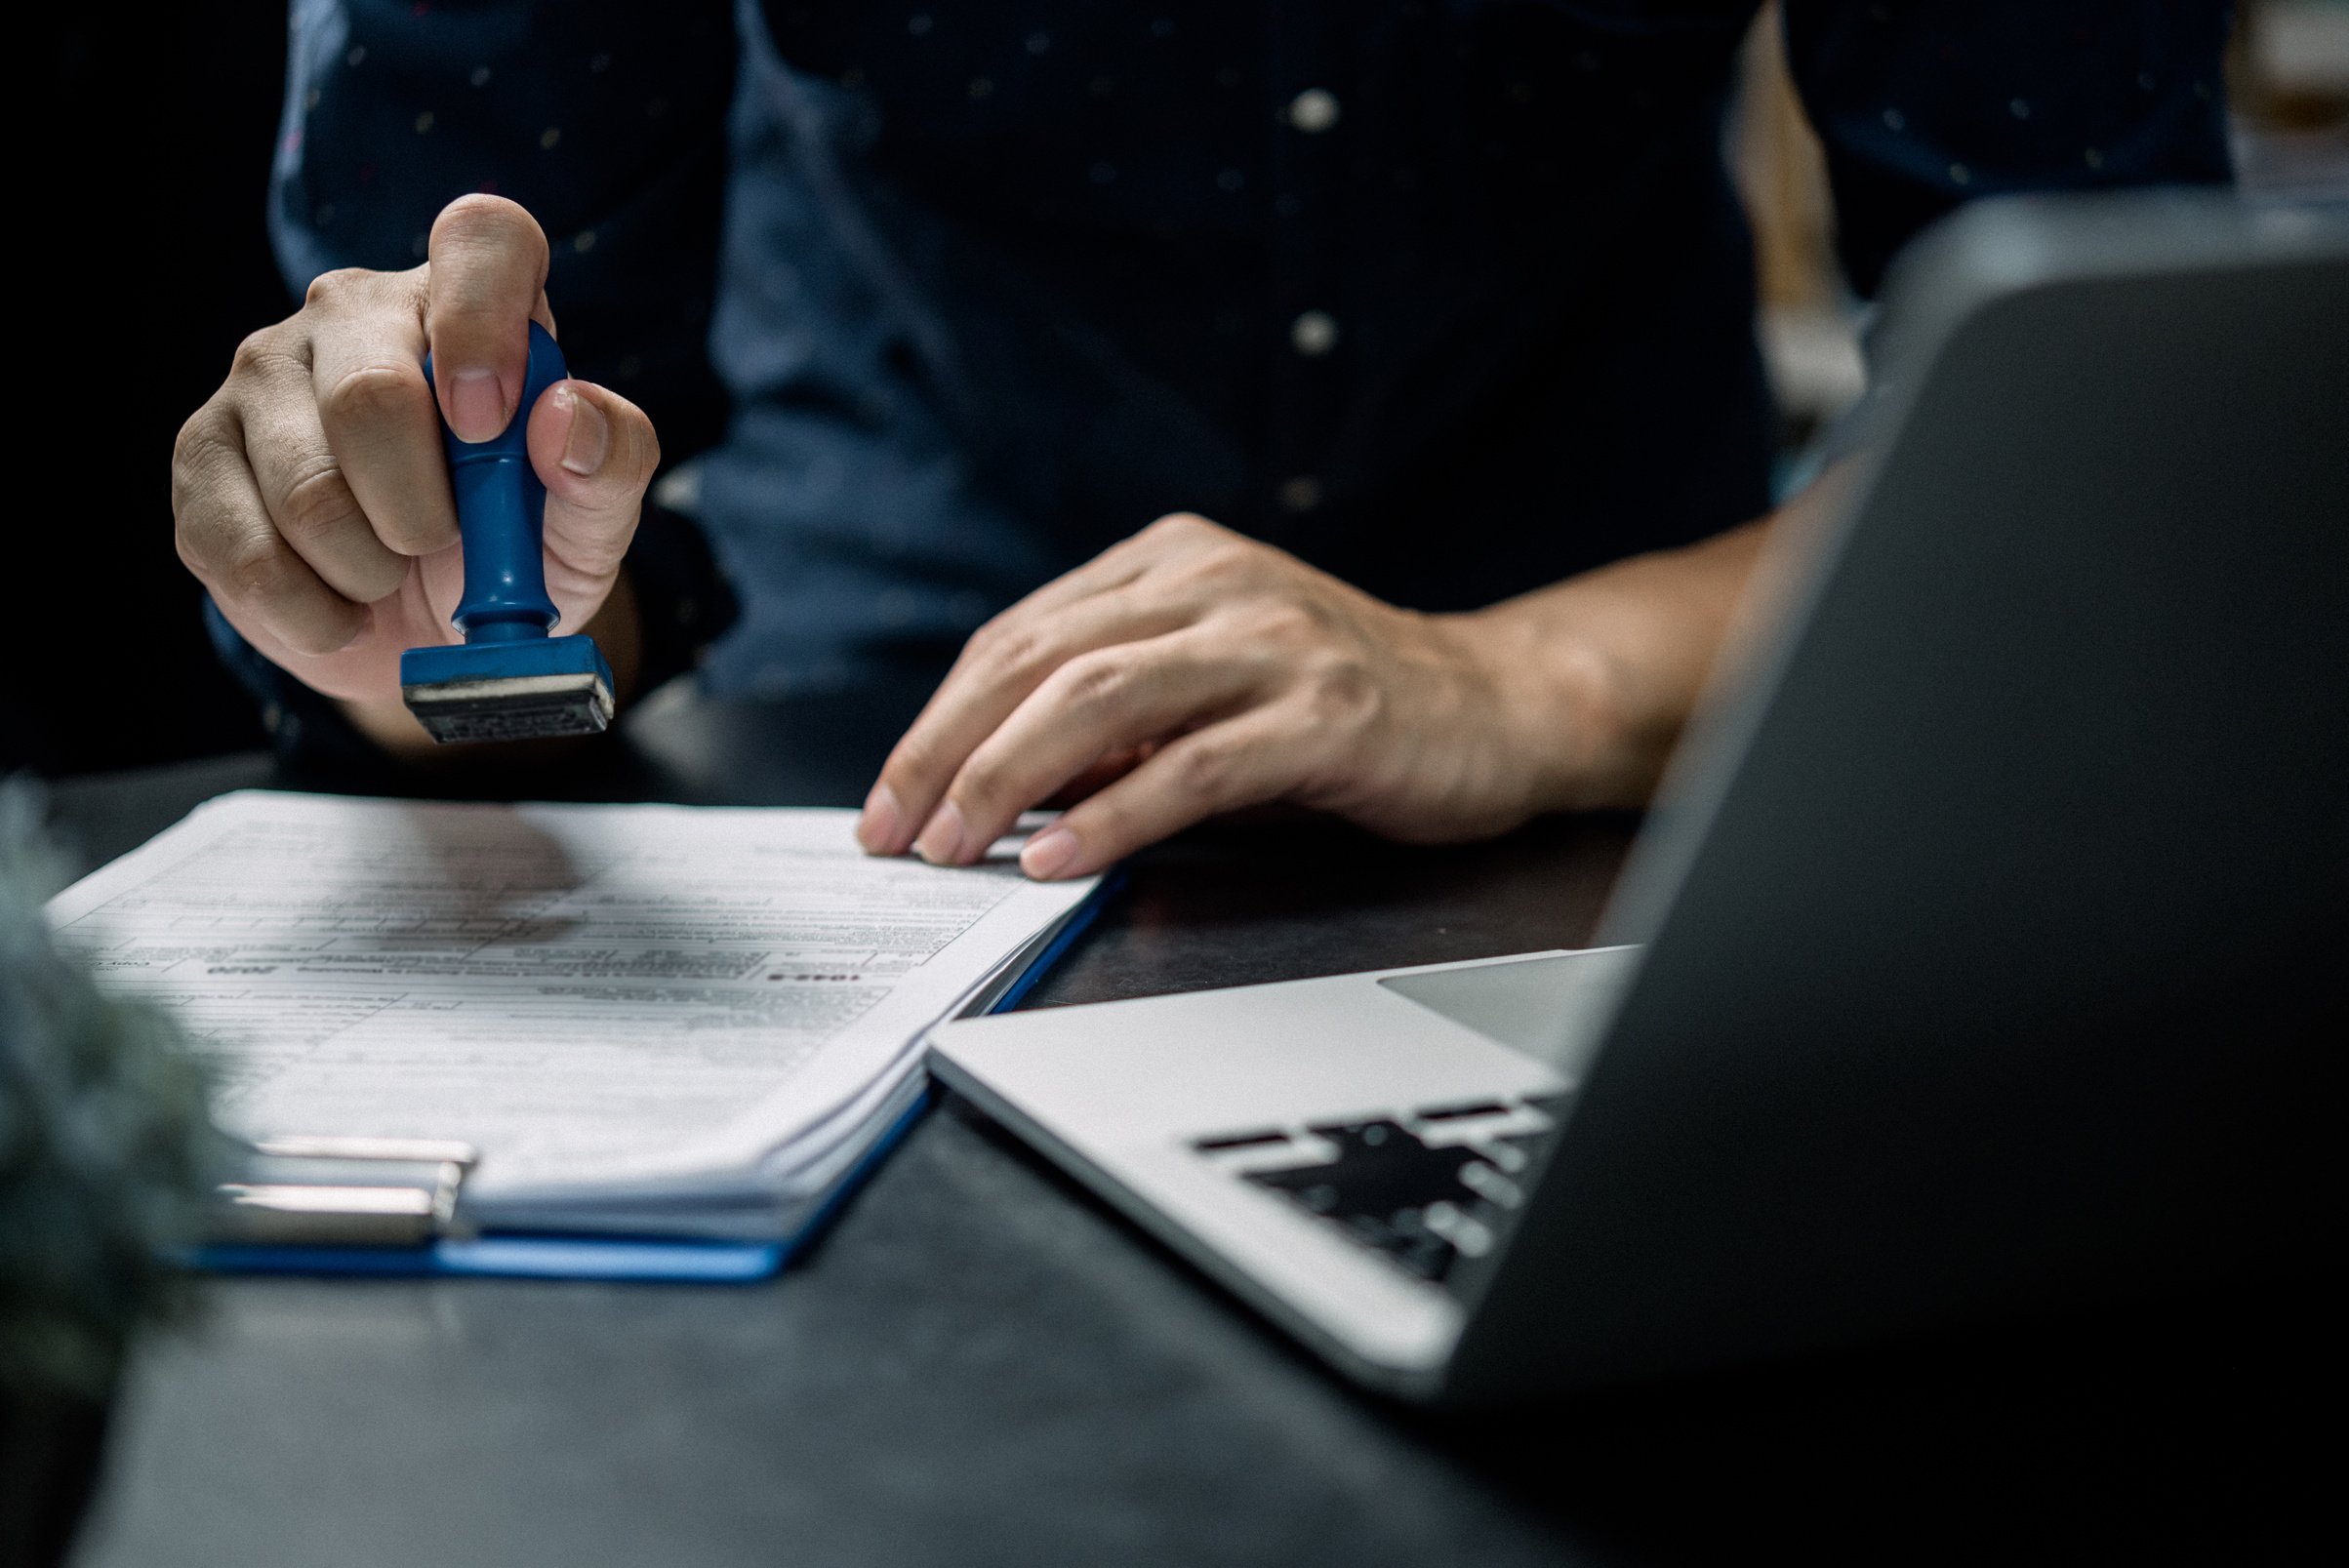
979,1364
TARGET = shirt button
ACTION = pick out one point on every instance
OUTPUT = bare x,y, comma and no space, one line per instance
1301,494
1313,111
1314,334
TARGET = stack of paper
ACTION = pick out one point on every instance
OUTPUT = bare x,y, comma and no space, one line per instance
649,1020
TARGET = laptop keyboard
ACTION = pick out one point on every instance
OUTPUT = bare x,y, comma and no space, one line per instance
1424,1189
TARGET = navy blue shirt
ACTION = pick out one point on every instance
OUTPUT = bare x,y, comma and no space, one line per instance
1452,298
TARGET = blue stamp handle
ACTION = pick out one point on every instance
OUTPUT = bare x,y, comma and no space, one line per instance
501,516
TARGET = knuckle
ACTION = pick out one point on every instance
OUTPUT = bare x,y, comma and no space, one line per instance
1204,769
911,764
409,535
982,784
1283,623
188,542
1182,526
1015,651
258,570
317,503
197,539
327,290
257,355
195,532
197,451
1222,566
1096,681
375,396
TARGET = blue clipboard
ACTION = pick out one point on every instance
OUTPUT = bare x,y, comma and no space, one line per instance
667,1260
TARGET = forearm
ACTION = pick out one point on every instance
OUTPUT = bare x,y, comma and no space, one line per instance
1601,674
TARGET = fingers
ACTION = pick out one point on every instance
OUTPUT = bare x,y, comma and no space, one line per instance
1224,767
597,452
1134,590
311,496
489,276
1005,661
376,411
1099,774
228,538
1170,538
1110,701
1204,662
307,496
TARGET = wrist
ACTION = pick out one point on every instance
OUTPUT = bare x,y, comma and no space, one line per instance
1605,668
1564,714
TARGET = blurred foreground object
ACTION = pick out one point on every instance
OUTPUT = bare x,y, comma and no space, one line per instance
104,1154
2288,85
1805,316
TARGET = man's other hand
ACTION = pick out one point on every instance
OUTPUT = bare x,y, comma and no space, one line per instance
1201,672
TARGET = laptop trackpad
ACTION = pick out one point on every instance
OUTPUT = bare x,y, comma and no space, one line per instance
1550,1009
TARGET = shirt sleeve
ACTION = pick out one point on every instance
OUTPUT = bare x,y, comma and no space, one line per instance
1922,105
605,118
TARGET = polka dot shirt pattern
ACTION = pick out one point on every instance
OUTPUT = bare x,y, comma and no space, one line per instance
1451,296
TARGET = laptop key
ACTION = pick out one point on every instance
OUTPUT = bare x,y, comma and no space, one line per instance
1421,1206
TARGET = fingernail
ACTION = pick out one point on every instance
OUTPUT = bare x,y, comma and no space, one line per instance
589,438
476,405
941,842
876,829
1050,853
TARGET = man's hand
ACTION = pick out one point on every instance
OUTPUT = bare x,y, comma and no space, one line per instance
1222,673
311,492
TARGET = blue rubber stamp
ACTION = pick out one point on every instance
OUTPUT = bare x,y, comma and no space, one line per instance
508,680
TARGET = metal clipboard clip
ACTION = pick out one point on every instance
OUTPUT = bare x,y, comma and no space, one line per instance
343,1192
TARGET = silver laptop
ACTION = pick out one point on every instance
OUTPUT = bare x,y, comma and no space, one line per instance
1979,958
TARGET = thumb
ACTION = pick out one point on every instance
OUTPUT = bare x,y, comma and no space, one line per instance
486,283
595,453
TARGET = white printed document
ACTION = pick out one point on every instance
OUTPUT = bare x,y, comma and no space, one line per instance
651,1018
